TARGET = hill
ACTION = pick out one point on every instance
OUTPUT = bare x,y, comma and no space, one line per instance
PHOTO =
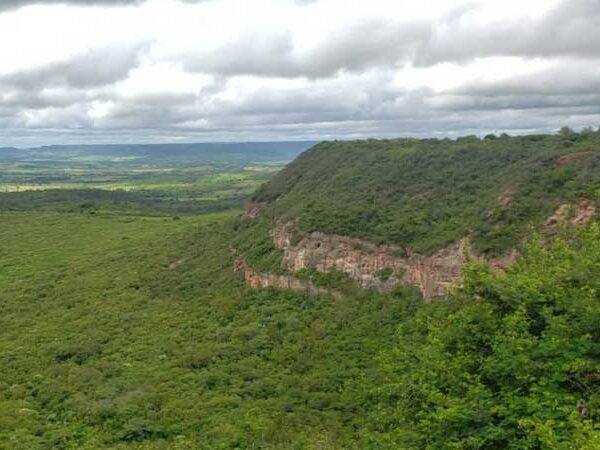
415,211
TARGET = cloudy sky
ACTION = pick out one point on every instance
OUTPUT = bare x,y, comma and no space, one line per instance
122,71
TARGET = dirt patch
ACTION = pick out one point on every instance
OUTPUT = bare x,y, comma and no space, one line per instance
585,210
253,210
506,198
572,158
175,263
578,214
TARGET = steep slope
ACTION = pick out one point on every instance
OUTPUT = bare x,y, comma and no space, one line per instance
390,212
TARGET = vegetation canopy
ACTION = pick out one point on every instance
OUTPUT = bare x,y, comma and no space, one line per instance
124,326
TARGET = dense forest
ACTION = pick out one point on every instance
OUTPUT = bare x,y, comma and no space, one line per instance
124,325
425,194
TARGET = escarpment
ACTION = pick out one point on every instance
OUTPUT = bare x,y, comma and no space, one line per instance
257,280
378,267
432,206
384,267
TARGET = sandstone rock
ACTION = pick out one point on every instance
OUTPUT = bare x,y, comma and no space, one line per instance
578,214
258,280
253,210
364,262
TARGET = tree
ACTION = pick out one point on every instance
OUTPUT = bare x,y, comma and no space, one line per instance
506,362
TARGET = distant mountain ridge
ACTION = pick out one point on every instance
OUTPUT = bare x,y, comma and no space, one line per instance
242,152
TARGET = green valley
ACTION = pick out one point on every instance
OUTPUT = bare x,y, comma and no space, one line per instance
224,301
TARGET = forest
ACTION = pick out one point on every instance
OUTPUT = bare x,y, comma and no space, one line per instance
124,326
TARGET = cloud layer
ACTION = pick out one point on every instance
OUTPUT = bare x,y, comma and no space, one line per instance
14,4
167,70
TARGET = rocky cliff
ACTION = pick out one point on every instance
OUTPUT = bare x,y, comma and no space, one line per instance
382,267
376,267
435,204
257,280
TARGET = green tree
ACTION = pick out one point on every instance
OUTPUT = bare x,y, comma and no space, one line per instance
505,362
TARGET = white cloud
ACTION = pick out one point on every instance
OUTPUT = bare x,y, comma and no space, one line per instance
227,69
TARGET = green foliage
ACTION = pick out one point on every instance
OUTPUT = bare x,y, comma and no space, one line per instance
504,362
332,280
254,241
385,274
424,194
129,332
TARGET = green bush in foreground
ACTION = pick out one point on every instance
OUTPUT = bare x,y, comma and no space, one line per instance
505,362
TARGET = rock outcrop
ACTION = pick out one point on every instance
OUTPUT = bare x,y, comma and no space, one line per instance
376,267
574,214
253,210
257,280
384,267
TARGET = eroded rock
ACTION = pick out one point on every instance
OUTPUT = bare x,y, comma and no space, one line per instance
366,263
257,280
384,267
253,210
578,214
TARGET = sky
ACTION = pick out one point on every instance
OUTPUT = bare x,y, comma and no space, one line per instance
135,71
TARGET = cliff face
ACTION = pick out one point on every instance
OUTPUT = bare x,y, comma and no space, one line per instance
377,267
258,280
382,267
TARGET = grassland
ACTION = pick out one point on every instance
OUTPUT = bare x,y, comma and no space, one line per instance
199,186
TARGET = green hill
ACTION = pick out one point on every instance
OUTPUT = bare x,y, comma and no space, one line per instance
413,212
425,194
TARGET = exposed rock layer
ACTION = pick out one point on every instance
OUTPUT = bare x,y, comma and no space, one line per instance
382,267
257,280
378,267
577,214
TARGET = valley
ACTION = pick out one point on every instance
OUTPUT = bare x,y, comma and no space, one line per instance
369,295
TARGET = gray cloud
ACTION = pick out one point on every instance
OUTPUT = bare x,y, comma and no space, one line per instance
366,44
572,29
348,86
566,77
255,54
356,106
97,67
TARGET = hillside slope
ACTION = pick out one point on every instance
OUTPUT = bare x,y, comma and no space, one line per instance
127,332
415,211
